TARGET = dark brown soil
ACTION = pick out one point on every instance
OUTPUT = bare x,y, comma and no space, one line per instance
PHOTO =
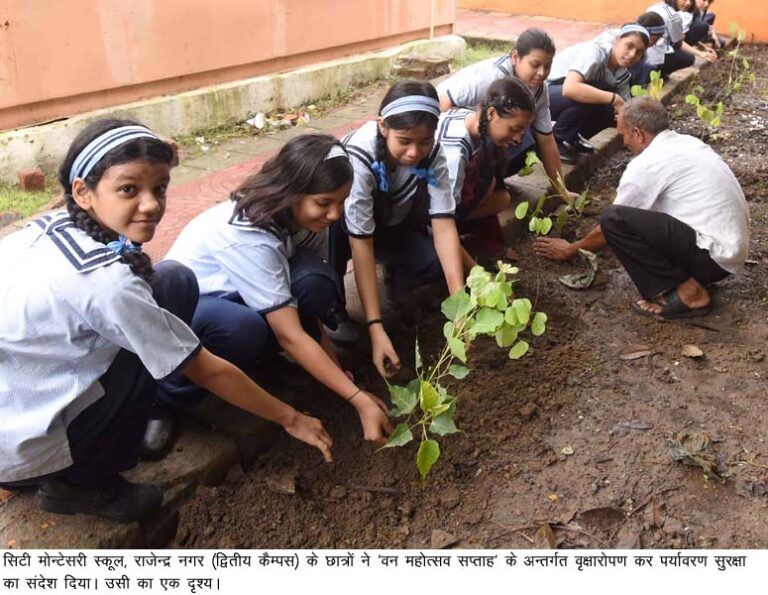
505,479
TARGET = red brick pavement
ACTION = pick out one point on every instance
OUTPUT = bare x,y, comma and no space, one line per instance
191,198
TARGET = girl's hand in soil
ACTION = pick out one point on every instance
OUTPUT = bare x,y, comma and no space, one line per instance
384,354
708,54
553,248
310,430
373,416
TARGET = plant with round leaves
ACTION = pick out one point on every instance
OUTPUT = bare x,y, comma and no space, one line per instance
487,307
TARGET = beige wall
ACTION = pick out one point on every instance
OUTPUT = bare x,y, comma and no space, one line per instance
751,15
60,57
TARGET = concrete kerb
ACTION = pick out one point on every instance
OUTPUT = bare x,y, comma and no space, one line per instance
205,457
45,145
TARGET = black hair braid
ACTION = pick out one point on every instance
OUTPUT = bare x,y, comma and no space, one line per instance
382,208
139,262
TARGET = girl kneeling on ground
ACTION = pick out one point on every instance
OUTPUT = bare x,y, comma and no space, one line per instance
476,144
400,210
588,85
88,326
260,259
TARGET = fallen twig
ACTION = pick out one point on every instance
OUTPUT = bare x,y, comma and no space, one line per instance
374,489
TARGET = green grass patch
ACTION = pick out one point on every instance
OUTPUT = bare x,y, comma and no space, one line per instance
481,51
14,200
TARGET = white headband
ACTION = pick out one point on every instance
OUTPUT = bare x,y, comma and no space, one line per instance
411,103
336,151
635,28
95,150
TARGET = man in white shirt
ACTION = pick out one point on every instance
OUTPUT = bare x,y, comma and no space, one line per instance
679,221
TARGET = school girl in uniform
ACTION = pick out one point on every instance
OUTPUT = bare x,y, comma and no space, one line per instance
672,52
475,144
531,62
88,326
588,85
260,259
400,209
702,29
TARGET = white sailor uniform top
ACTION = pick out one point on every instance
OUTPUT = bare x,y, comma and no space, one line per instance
458,145
229,255
675,33
404,186
590,60
69,307
468,86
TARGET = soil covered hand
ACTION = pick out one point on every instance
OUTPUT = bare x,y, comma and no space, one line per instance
708,54
373,416
553,248
310,430
384,354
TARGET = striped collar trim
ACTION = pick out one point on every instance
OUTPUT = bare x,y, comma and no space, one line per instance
82,252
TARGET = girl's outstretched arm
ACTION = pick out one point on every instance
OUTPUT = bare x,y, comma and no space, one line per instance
234,386
311,356
364,264
574,87
448,250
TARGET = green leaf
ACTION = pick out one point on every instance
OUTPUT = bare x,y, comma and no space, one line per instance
448,330
458,349
428,396
733,28
400,436
519,350
417,355
742,35
719,109
438,410
637,91
525,171
459,372
478,277
403,399
752,78
581,202
491,295
716,121
531,158
429,452
744,63
456,306
443,424
510,316
546,226
521,210
655,76
522,310
539,324
506,335
540,203
490,318
692,99
533,225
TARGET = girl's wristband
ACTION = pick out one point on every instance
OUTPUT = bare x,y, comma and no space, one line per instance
374,321
357,392
613,99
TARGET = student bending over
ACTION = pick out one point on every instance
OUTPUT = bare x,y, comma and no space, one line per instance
88,326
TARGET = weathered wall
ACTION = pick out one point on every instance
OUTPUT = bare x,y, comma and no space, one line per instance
61,57
751,15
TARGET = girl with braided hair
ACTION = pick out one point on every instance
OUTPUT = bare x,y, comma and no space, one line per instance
260,259
400,209
476,143
88,327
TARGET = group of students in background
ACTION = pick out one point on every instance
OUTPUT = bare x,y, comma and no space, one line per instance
100,347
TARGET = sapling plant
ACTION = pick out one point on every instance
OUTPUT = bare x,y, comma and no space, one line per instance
653,89
488,307
739,72
542,225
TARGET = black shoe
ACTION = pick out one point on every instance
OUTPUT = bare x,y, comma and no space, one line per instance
158,437
120,500
346,332
582,145
568,153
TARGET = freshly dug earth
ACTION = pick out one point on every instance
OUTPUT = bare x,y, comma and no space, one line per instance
570,446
